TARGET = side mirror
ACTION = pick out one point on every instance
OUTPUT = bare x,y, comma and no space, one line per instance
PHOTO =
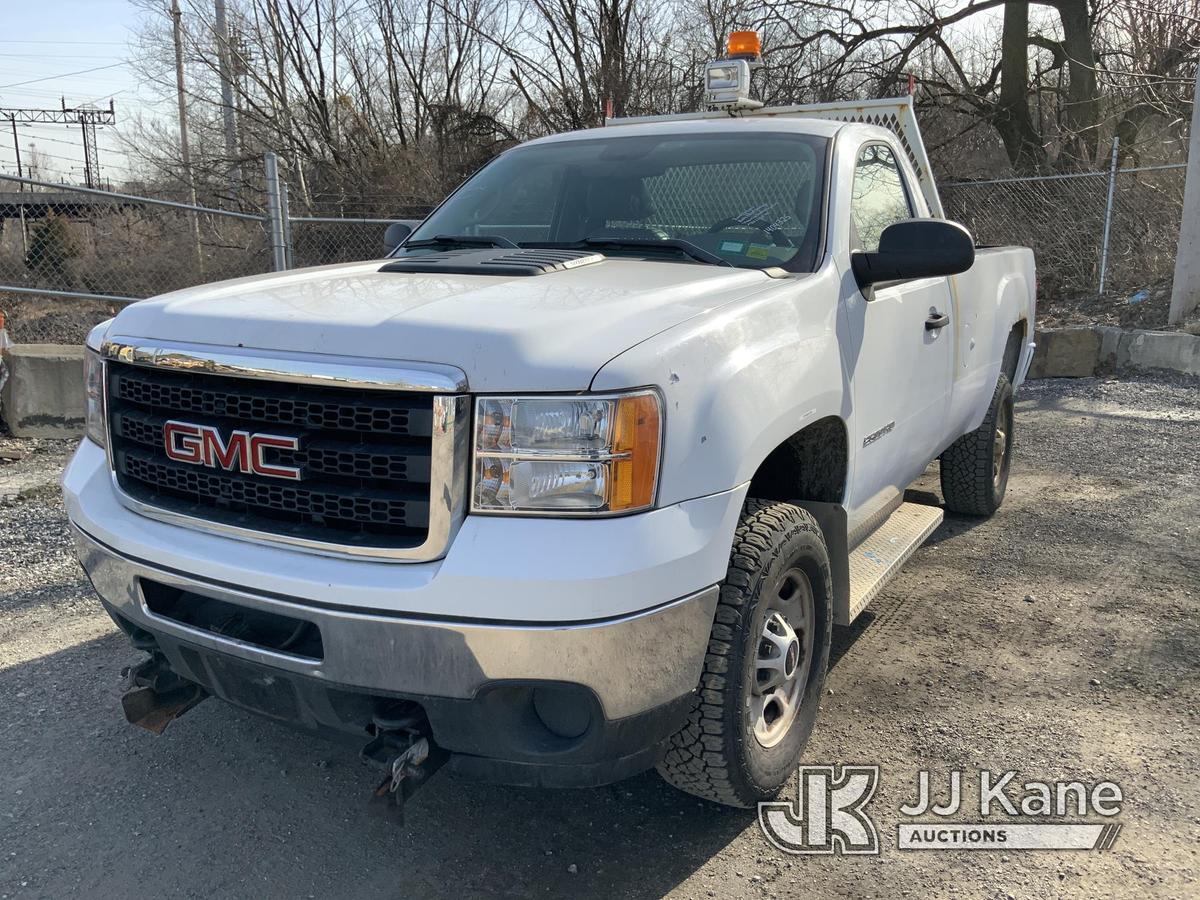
394,236
915,248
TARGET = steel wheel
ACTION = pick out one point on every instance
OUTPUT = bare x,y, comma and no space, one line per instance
1000,444
784,657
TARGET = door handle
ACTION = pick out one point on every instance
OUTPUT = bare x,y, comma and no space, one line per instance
936,320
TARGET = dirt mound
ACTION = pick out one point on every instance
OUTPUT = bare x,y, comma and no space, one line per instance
35,319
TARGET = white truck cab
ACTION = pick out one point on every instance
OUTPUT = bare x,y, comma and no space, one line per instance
577,481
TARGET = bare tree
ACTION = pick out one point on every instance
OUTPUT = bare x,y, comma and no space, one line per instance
374,101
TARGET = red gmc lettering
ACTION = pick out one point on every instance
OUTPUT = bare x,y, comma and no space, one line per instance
260,442
182,442
202,445
228,456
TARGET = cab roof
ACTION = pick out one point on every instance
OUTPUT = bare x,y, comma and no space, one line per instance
614,128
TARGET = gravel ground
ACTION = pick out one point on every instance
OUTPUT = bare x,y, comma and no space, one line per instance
1058,638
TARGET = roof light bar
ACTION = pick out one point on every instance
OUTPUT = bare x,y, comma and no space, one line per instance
727,81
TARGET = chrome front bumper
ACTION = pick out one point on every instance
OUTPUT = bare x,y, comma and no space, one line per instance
632,663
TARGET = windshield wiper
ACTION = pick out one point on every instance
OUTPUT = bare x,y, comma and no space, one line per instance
685,248
463,240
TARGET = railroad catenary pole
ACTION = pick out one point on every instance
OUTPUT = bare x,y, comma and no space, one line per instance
20,188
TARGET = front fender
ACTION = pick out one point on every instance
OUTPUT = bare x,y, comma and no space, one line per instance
737,382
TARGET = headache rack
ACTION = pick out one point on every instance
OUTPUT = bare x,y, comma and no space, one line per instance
896,114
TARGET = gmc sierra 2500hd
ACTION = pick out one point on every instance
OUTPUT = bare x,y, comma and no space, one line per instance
576,482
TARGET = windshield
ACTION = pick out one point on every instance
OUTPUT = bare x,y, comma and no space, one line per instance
751,199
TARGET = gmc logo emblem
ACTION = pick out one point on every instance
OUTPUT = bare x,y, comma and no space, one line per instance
202,445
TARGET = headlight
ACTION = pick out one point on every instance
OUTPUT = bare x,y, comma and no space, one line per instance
566,455
93,369
93,377
723,77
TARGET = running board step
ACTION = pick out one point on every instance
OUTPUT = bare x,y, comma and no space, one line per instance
875,561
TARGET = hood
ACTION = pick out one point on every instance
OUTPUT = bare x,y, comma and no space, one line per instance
546,333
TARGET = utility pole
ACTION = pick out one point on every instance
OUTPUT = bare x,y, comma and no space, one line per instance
185,152
227,108
1185,291
282,102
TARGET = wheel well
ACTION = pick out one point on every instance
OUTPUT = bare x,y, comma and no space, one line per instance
1012,350
810,465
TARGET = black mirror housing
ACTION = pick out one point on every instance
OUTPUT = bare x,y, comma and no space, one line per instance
394,235
915,248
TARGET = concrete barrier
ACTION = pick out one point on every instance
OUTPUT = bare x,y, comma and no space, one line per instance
43,397
1066,353
1175,351
1079,351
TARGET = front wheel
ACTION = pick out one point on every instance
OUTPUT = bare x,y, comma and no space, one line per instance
766,662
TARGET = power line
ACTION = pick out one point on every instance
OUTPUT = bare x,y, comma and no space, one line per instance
63,75
23,69
42,137
54,95
8,54
71,159
88,43
37,144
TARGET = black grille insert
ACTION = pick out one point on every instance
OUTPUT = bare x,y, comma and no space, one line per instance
272,631
364,456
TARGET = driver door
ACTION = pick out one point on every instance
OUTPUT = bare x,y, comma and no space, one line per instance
901,365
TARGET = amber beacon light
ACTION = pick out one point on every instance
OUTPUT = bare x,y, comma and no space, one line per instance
745,45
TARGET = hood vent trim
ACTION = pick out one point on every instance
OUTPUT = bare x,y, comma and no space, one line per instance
493,261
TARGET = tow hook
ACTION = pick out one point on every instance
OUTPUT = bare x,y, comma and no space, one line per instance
154,696
404,749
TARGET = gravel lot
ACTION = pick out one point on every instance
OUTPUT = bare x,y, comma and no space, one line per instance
1059,639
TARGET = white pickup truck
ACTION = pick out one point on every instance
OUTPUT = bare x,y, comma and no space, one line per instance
576,482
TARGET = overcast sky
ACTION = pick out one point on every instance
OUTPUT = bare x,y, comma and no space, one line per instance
42,42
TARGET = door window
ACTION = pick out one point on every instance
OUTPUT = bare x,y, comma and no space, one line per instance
879,198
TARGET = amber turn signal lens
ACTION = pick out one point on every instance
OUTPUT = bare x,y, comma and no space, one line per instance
744,45
636,436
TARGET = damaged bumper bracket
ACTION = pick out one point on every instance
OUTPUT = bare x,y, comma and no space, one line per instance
155,696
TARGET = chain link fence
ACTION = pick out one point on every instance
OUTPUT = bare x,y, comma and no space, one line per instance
1091,232
71,257
322,241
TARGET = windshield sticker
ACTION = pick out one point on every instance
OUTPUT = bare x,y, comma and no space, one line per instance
754,214
757,217
758,251
732,246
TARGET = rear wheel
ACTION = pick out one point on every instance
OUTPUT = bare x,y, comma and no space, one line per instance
766,662
974,469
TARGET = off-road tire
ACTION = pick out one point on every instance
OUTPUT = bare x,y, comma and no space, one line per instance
970,484
716,755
